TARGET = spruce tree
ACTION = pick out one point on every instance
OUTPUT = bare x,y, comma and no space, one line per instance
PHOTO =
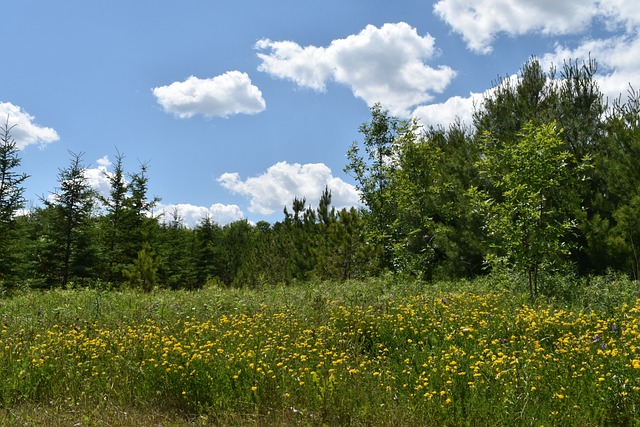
11,199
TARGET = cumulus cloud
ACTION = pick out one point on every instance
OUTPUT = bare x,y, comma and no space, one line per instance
386,65
618,63
278,186
454,108
98,177
617,67
479,21
221,96
192,215
25,131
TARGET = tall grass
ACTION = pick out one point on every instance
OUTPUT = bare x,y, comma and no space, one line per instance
380,352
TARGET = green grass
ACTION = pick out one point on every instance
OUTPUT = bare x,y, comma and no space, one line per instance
380,352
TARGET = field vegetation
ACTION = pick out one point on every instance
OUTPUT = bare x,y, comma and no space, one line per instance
378,352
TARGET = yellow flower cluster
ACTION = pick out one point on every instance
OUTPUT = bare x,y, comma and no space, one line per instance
439,353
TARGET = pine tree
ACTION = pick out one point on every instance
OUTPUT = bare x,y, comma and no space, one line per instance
11,199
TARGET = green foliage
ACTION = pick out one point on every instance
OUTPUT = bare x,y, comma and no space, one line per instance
528,219
436,230
11,200
143,272
176,246
66,239
574,102
438,202
321,244
372,163
619,192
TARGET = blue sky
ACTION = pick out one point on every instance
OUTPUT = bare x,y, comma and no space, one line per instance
239,106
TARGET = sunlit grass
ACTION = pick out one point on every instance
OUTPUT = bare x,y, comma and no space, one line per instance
362,353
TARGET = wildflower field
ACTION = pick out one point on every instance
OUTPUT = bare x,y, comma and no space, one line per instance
366,353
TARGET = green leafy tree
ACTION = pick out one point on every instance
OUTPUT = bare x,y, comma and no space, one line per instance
413,193
530,219
11,199
372,163
572,99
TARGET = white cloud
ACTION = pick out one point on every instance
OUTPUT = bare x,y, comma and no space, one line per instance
386,65
618,66
98,177
616,54
447,112
25,132
479,21
277,187
618,13
309,66
221,96
192,215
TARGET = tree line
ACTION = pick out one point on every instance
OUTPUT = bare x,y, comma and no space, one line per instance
546,178
78,237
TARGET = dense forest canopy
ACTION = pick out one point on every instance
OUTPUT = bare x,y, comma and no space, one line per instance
547,178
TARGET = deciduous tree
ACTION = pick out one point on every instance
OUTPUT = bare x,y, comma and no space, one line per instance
529,220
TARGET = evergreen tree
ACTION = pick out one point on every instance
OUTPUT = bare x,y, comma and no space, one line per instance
619,196
116,236
69,249
176,245
236,240
127,223
140,223
573,101
207,251
438,232
11,200
142,273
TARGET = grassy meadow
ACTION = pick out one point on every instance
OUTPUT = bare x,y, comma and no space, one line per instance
385,352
